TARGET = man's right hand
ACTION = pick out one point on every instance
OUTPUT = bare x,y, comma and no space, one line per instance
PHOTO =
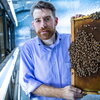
71,93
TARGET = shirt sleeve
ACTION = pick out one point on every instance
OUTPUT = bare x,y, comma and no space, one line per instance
28,80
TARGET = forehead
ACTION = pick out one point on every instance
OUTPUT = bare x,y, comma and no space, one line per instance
40,13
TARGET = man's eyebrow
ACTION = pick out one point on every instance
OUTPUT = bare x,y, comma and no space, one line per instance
36,18
43,17
47,16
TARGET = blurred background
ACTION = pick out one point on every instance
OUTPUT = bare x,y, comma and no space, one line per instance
16,28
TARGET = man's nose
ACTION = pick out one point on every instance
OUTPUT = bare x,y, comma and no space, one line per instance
43,24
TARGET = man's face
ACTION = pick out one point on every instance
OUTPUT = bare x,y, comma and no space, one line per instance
44,23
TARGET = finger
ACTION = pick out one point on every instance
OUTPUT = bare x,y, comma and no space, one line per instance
73,17
78,95
79,15
74,89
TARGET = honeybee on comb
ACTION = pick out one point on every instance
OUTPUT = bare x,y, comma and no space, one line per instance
85,50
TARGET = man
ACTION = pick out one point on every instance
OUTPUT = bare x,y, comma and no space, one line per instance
45,65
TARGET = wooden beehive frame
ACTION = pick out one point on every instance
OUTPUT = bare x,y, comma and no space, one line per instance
90,85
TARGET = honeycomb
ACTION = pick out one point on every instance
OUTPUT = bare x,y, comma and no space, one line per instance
85,49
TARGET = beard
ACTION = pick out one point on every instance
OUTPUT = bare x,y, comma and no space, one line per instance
45,33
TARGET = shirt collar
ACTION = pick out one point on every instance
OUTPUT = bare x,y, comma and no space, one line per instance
53,45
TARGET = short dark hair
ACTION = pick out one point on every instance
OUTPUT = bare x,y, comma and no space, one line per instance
43,5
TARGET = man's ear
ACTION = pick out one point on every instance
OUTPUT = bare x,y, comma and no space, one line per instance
56,21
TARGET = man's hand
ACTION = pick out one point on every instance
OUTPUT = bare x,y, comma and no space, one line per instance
71,93
77,16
